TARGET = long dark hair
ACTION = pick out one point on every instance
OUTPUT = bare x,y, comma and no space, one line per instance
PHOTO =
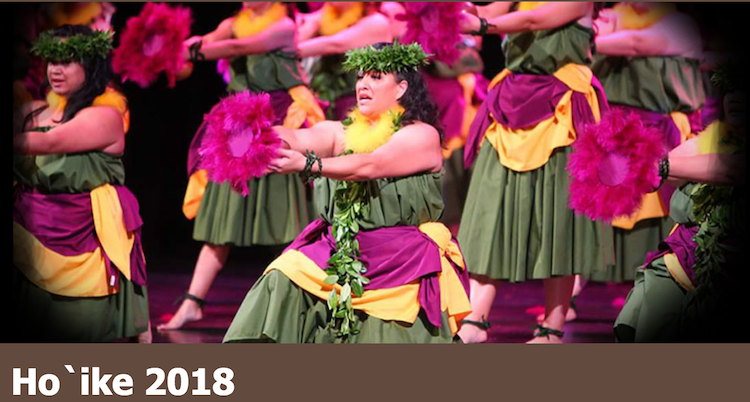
416,101
98,73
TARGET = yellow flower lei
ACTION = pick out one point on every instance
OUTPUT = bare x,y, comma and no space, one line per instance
247,23
362,135
630,18
75,13
530,5
332,22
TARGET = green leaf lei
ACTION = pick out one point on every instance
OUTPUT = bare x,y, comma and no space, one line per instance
393,58
719,212
72,48
352,200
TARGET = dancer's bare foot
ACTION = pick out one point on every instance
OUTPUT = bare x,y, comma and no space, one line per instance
189,311
146,336
472,334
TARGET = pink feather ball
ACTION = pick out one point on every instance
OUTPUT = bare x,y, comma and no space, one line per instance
613,165
152,43
435,26
240,142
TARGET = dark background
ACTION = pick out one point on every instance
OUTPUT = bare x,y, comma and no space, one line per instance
163,121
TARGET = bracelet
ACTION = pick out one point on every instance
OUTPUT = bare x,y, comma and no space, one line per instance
483,26
663,170
195,51
307,175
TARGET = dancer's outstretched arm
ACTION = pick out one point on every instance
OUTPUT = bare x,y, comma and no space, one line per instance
369,30
222,32
494,9
308,24
713,169
413,149
280,35
97,128
548,16
675,35
324,138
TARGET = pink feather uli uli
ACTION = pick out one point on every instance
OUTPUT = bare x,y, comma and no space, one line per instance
613,165
152,43
240,143
435,26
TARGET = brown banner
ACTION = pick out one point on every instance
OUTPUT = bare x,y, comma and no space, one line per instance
378,372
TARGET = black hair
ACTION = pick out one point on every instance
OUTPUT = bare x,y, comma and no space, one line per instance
98,74
416,101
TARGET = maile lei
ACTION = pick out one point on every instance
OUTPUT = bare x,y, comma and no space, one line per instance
719,212
352,201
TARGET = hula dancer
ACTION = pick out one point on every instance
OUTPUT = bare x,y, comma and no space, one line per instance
376,266
329,32
517,225
651,67
79,270
690,289
259,43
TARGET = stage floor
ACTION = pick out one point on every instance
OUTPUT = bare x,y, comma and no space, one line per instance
512,316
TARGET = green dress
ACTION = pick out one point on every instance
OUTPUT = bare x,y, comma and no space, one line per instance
276,310
277,207
657,84
43,316
653,307
659,309
517,226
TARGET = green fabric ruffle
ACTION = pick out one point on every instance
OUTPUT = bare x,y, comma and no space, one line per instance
274,212
275,310
517,226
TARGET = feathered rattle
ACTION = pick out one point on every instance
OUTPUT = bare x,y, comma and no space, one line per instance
435,26
153,43
239,142
613,165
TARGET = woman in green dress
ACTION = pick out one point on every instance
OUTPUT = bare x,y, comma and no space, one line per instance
648,61
690,289
259,43
516,224
79,271
375,266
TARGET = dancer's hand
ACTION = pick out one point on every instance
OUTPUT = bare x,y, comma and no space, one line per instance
469,7
192,40
469,23
606,23
287,161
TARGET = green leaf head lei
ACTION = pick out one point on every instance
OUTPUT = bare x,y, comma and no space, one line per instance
390,58
76,47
